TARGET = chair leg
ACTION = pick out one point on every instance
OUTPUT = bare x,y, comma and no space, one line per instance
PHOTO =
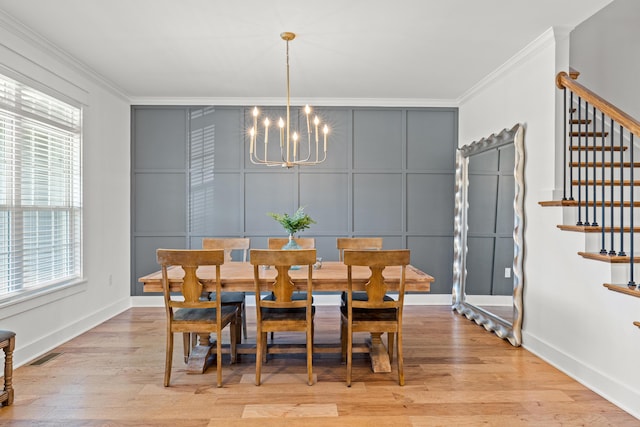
234,345
400,357
186,343
219,356
265,347
343,340
8,370
310,354
349,353
168,359
244,320
390,344
259,338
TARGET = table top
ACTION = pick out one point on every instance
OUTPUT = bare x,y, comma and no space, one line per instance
332,276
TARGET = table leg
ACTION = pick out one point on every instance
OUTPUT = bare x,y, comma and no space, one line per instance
378,353
199,355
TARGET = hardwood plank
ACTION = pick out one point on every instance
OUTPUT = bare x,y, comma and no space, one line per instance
456,374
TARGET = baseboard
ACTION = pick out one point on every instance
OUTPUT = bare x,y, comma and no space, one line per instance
615,392
27,352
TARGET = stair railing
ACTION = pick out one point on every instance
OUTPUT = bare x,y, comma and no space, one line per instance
580,99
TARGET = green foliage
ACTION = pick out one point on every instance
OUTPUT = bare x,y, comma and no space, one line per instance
298,222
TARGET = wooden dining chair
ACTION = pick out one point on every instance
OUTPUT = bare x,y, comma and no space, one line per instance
281,312
303,242
232,298
193,314
375,314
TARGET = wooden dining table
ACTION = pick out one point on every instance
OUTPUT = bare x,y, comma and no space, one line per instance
330,277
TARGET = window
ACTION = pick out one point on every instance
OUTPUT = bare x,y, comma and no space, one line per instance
40,189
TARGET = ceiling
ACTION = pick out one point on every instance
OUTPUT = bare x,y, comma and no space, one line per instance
357,49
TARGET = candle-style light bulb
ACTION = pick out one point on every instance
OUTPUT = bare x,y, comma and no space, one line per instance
307,109
252,133
326,131
281,125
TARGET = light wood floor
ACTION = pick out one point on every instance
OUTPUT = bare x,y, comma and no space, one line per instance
457,374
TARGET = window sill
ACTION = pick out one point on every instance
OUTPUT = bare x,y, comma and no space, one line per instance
33,298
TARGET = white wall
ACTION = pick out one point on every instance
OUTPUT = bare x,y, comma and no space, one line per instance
570,320
604,49
46,321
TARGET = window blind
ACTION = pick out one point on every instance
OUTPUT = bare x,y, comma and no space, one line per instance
40,189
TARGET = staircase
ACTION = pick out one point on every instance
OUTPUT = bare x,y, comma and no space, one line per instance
600,182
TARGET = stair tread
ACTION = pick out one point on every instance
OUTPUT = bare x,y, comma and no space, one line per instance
588,133
597,148
595,229
598,203
606,164
623,288
599,182
613,259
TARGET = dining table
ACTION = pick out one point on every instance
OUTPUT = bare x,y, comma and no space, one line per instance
331,276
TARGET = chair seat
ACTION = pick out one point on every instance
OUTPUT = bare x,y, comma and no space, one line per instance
5,335
229,297
371,314
296,296
203,314
361,296
286,313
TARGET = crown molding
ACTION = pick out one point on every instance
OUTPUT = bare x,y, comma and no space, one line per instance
316,102
541,42
42,44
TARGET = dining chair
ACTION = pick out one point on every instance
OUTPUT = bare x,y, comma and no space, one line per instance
280,311
7,344
232,298
375,314
342,243
192,314
303,242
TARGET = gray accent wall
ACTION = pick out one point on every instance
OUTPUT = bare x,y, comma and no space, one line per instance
389,172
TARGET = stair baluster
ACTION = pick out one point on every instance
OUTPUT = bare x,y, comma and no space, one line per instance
594,223
621,252
603,250
632,283
570,152
579,163
611,158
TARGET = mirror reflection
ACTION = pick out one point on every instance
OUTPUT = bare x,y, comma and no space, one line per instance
489,196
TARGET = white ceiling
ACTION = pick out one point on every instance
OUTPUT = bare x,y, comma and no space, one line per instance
345,49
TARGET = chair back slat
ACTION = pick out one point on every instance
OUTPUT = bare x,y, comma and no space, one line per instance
377,286
189,260
282,287
343,243
303,242
229,244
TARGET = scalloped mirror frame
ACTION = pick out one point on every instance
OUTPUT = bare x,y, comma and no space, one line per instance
511,332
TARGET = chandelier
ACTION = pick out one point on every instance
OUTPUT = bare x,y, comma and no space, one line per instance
294,150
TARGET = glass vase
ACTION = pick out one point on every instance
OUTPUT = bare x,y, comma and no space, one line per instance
292,245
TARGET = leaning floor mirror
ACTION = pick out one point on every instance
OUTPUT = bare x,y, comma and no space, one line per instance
488,242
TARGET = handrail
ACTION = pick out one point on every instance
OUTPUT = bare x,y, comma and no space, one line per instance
564,81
